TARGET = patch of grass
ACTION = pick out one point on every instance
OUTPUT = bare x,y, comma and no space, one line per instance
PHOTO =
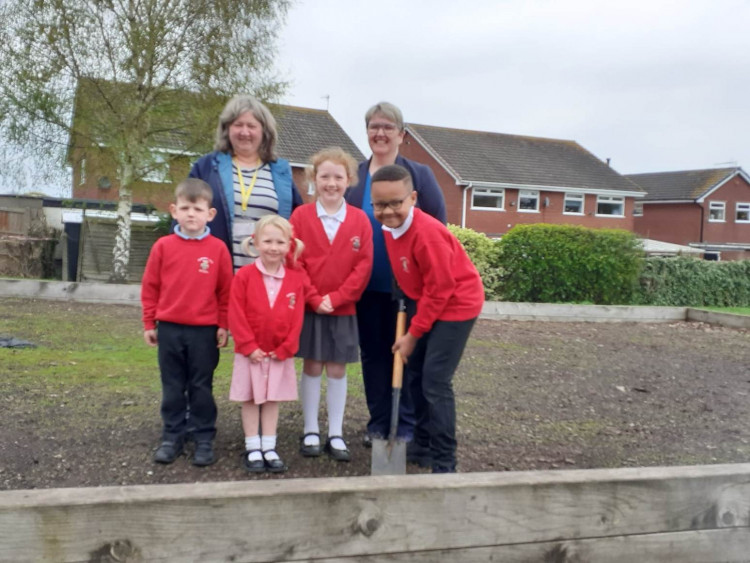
735,310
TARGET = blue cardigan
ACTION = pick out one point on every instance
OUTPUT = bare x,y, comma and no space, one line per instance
216,170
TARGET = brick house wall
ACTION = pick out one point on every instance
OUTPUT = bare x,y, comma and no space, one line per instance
494,223
684,223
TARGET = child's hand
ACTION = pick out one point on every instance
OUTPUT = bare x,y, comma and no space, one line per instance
150,337
257,356
325,306
273,355
222,336
405,345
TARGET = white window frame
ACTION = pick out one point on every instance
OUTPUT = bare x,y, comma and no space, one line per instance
528,194
82,180
576,197
611,199
310,188
741,207
637,209
497,193
717,206
159,173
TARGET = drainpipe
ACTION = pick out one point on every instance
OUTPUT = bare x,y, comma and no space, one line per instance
703,211
463,204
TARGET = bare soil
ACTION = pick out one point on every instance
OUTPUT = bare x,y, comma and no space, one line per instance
530,395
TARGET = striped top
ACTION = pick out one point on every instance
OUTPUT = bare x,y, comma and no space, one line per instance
263,201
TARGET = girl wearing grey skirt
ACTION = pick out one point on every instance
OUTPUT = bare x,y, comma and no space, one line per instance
338,260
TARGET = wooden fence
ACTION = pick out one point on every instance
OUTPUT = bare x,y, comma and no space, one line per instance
680,514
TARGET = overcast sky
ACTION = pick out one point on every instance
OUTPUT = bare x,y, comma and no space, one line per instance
655,85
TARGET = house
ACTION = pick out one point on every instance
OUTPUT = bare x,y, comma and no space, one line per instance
493,181
706,209
301,133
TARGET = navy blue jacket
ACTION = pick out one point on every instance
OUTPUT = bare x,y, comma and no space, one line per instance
215,169
429,195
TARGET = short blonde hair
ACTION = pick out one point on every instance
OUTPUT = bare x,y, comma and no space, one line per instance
387,110
236,107
296,245
337,155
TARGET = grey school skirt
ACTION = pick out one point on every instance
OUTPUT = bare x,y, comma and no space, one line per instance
329,338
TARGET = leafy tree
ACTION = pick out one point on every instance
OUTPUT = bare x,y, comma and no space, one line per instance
120,75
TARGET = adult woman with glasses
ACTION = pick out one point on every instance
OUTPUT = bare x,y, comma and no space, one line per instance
377,309
247,178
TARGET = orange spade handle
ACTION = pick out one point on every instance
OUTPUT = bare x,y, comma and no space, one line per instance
398,363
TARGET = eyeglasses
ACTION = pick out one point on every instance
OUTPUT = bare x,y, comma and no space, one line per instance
385,127
395,204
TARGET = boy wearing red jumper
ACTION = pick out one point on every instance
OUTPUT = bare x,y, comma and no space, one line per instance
432,268
185,292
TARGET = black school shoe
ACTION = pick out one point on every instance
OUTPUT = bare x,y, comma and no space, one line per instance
274,465
418,455
335,453
254,466
204,454
309,451
168,451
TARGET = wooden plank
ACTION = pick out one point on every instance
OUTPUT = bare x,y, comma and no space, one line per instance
730,545
301,519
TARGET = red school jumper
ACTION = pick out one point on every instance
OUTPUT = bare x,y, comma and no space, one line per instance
186,281
339,269
252,321
432,267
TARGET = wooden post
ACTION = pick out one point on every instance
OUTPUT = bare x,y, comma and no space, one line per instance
685,514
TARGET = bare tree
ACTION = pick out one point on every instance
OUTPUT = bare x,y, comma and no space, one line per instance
120,75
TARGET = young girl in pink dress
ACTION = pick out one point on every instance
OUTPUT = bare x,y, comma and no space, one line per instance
338,260
266,309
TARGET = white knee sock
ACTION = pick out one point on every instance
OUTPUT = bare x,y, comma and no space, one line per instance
336,397
268,443
252,444
310,392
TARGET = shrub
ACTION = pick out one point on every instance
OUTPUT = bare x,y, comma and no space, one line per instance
483,252
687,282
566,263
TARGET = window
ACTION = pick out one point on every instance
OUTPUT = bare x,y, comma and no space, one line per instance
610,206
638,209
742,213
717,211
311,188
573,204
158,171
528,201
82,181
487,198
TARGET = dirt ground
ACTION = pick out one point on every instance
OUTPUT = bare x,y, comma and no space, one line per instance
530,395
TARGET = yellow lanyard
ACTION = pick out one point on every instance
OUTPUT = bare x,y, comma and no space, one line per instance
246,193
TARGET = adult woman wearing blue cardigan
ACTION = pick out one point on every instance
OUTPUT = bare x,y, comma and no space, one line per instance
247,178
376,310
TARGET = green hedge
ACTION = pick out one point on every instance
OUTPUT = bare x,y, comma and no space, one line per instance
484,253
687,282
567,263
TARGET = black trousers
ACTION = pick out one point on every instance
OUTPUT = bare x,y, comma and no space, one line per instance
376,321
430,373
188,357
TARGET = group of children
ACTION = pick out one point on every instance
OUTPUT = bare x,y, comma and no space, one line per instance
298,299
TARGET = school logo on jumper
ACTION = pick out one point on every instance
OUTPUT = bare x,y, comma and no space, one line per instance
356,244
204,263
292,299
405,264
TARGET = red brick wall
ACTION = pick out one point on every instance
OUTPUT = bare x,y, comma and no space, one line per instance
498,222
737,190
678,223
